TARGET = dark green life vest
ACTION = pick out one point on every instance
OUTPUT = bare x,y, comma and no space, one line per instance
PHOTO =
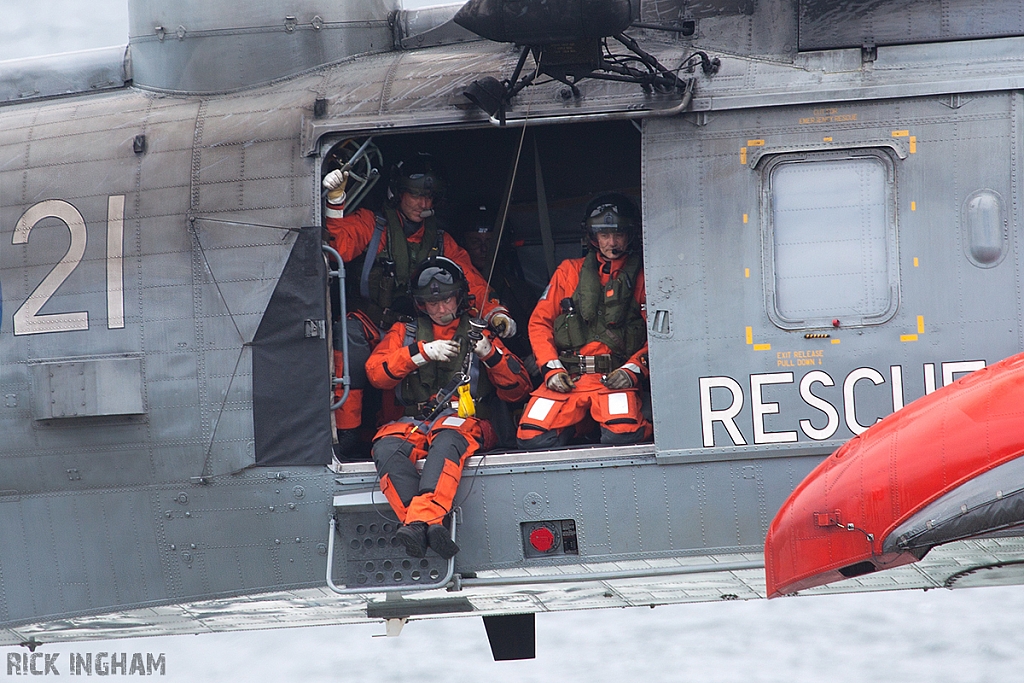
609,314
421,385
387,298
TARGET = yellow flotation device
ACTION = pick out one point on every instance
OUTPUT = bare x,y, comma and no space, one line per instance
467,407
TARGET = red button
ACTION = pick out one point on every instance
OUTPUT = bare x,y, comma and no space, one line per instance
542,539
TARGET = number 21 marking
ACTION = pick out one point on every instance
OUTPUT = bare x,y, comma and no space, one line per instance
27,319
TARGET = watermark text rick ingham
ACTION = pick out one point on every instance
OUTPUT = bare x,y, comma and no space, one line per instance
86,664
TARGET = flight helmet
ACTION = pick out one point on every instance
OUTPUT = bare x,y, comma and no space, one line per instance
419,175
477,217
611,212
475,232
436,279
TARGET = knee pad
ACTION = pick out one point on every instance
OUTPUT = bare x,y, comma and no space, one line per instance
383,450
551,438
450,442
610,438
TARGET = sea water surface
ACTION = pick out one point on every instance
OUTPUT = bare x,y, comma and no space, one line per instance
939,636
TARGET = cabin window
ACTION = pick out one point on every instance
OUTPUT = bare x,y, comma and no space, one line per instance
829,237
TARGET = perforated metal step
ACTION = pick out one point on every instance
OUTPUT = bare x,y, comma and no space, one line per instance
375,558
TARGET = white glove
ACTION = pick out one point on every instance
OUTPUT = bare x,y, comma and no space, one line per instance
503,324
619,378
483,347
335,183
441,349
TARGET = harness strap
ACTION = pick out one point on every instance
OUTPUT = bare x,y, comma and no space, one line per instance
371,257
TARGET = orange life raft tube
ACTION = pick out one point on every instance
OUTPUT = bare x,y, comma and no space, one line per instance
946,467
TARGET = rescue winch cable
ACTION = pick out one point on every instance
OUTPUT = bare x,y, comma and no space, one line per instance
508,195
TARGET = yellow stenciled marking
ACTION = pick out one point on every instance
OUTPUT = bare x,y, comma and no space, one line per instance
745,218
908,337
913,144
835,341
746,273
755,143
913,206
828,139
757,347
920,324
743,155
915,262
901,133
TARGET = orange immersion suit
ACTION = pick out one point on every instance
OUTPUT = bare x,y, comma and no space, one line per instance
350,236
587,352
448,440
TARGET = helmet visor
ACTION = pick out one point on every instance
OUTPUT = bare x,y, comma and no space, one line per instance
435,284
608,218
435,273
421,185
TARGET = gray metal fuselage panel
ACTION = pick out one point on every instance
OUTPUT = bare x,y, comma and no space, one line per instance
705,212
209,213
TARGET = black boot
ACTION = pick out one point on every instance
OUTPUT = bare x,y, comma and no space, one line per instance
414,538
441,541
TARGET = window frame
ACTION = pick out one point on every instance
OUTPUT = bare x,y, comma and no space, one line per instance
767,167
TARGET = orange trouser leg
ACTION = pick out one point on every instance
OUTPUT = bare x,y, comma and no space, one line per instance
395,452
432,506
620,417
452,441
548,416
394,499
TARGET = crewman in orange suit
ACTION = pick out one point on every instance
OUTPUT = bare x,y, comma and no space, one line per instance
398,239
589,333
446,376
